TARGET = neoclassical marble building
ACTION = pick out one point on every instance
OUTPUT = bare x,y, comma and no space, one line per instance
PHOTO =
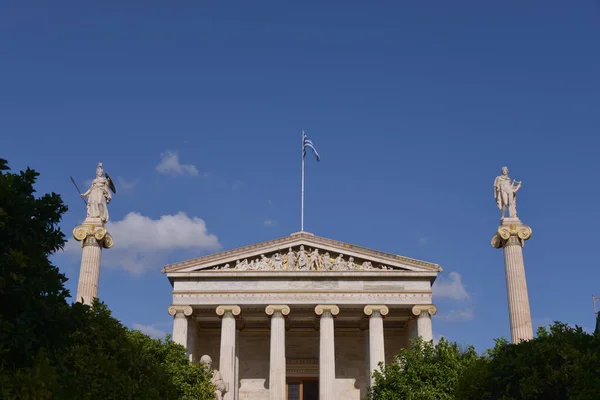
300,317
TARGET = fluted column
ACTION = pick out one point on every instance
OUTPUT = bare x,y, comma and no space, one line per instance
191,342
93,237
180,323
277,364
327,351
376,336
411,330
511,237
424,313
228,348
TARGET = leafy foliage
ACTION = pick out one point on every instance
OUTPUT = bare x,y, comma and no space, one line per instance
51,349
105,360
563,363
34,314
423,372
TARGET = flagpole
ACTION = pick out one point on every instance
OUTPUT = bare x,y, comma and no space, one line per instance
302,203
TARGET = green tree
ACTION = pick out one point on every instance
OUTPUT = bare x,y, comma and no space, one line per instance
189,381
34,314
105,360
423,372
562,363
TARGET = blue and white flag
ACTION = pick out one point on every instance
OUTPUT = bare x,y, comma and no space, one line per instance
309,143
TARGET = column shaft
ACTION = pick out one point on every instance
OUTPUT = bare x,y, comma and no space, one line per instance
376,343
424,313
180,324
424,327
327,352
411,330
227,364
376,336
277,363
191,340
89,273
516,288
180,329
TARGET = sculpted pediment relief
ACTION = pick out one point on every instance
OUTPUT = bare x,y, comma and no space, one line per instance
302,252
301,258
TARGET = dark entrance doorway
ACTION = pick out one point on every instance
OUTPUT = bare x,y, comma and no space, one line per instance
303,389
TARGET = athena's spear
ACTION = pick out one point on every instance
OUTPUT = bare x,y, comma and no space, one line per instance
79,191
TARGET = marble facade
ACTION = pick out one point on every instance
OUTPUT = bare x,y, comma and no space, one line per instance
300,307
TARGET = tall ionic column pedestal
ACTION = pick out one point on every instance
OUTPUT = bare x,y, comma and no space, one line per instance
93,237
511,237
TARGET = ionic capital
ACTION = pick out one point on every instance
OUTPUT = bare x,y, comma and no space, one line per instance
381,309
327,308
511,234
180,311
228,309
429,308
274,308
99,235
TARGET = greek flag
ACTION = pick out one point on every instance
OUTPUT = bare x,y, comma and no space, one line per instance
309,143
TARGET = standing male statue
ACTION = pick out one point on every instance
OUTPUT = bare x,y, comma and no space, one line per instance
505,193
99,195
216,378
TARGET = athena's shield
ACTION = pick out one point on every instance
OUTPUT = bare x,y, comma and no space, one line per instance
111,185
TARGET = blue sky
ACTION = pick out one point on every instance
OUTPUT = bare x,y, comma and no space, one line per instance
413,106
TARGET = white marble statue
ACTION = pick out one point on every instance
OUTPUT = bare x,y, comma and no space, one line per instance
263,263
216,378
367,265
505,193
314,262
277,262
339,264
98,196
302,259
350,264
327,264
291,260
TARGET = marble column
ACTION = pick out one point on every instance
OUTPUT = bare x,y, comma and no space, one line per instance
411,330
424,313
277,363
511,237
327,351
93,237
191,342
180,323
228,313
376,336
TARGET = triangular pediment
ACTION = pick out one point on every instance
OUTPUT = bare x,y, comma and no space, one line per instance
302,252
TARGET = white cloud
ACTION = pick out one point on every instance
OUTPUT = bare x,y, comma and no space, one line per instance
124,186
142,243
423,241
456,315
170,165
451,288
270,222
150,331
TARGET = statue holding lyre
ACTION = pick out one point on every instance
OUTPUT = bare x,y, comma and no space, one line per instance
505,193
